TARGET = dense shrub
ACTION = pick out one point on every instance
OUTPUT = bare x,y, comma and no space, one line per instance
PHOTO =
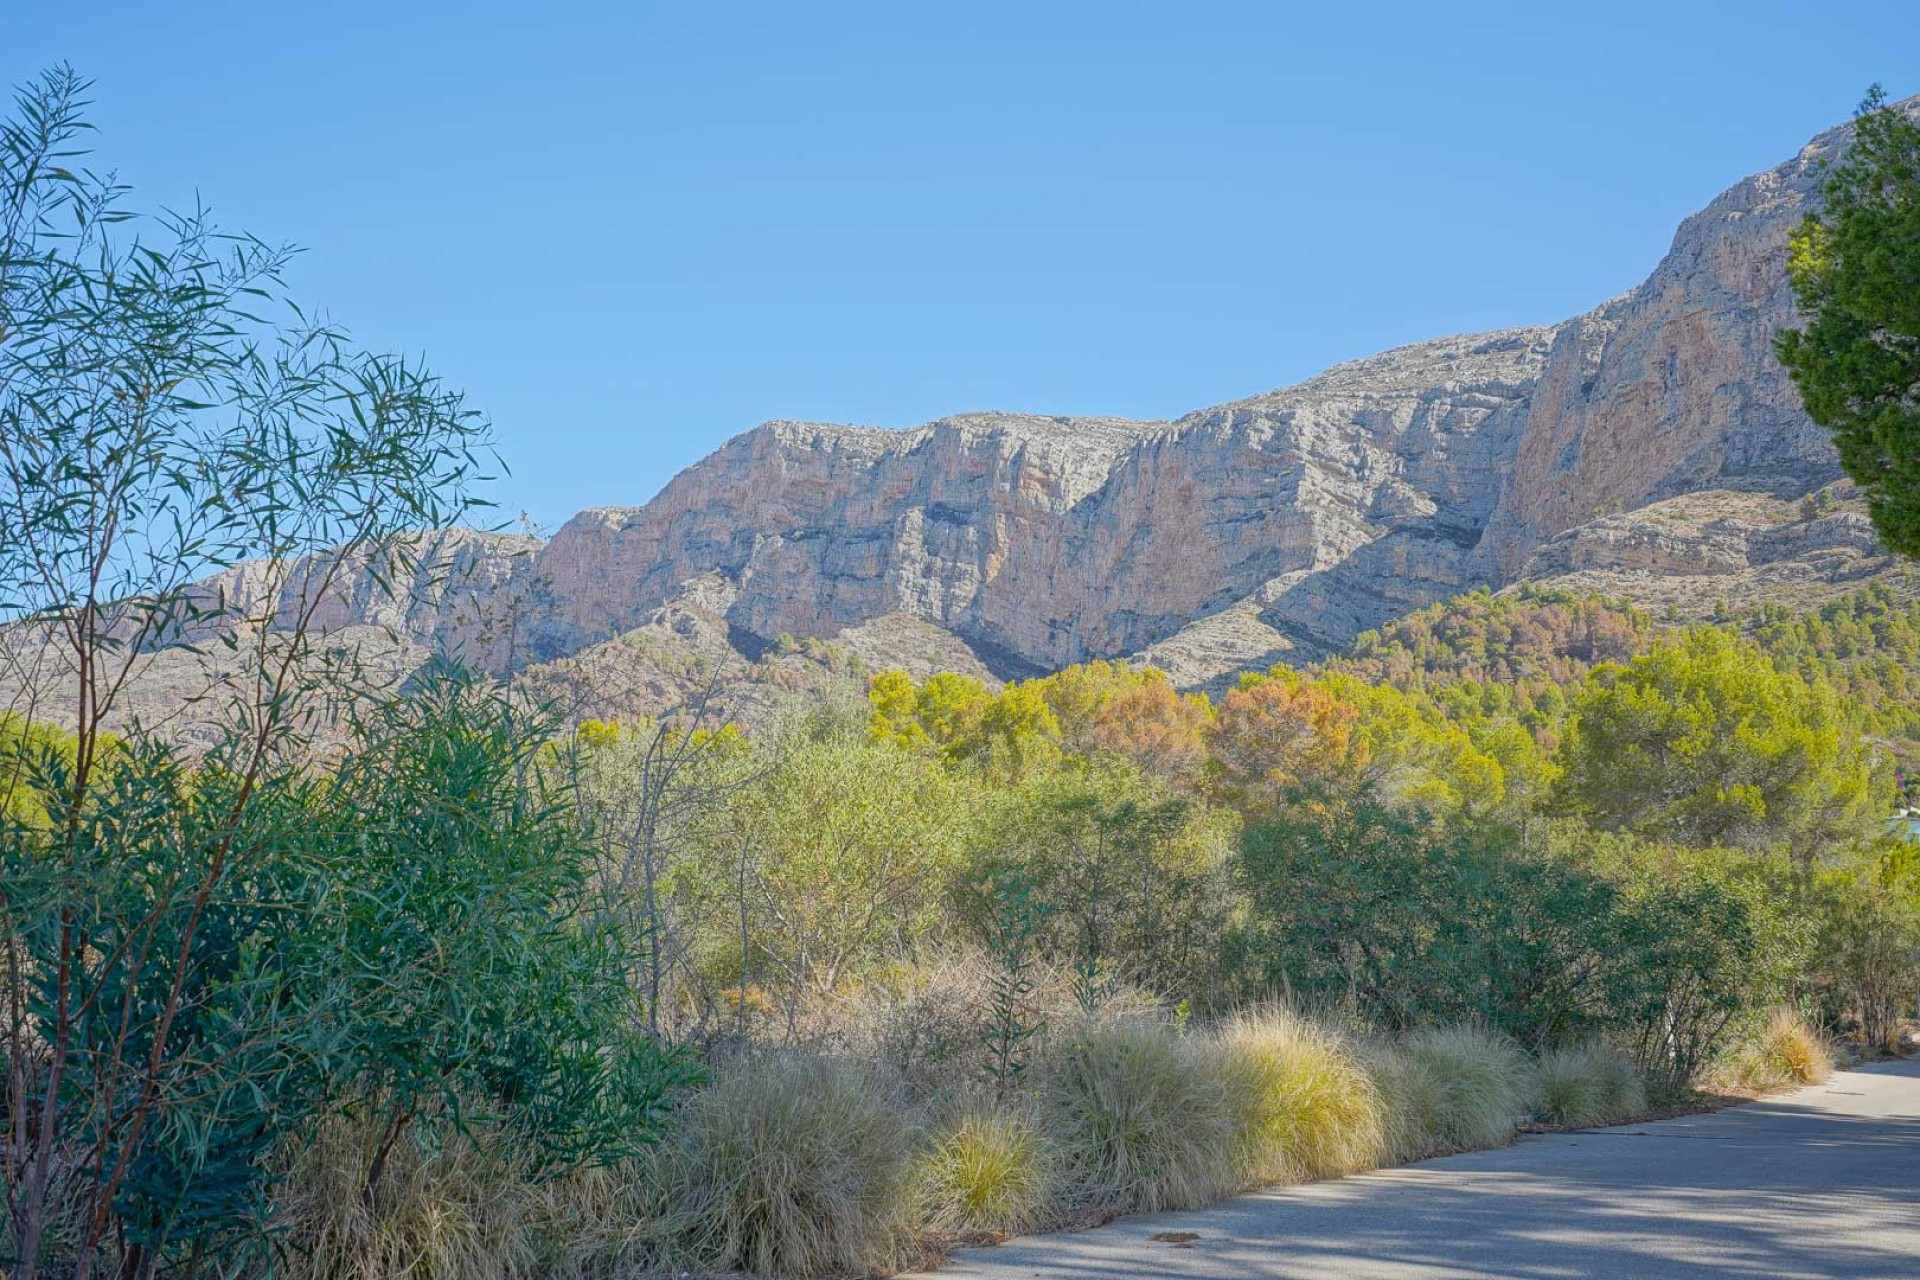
465,974
1403,924
1302,1102
1707,945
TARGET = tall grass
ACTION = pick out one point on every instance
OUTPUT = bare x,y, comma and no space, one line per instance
1451,1089
789,1165
807,1164
461,1211
1302,1102
1141,1120
990,1171
1785,1051
1589,1084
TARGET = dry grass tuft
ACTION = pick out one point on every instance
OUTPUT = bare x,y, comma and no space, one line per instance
1786,1051
458,1212
1452,1089
791,1165
1303,1104
1140,1119
1590,1084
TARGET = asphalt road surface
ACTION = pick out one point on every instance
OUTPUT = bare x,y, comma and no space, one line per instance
1822,1182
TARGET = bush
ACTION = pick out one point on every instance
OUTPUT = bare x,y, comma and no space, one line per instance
460,954
1452,1089
1589,1084
1403,923
1141,1119
988,1171
1784,1052
789,1165
1302,1102
1706,946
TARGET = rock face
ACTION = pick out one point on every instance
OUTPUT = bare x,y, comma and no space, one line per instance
1652,447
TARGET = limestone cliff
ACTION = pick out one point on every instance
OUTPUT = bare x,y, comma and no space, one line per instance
1652,447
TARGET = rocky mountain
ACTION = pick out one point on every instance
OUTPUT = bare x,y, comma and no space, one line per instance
1652,448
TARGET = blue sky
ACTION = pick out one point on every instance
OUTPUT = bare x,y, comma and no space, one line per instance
632,230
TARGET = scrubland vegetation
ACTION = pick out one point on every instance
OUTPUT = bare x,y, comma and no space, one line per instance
459,988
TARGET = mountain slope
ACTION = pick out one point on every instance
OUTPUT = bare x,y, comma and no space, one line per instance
1651,448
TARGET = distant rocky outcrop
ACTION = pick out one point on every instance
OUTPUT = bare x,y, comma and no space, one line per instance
1652,448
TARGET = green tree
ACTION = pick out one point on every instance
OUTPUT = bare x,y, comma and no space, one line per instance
1703,742
466,976
1137,881
1856,272
853,845
166,413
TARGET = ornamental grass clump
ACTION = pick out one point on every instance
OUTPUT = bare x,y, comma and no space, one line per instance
1303,1104
1588,1084
1140,1118
789,1165
1786,1051
988,1171
1452,1089
463,1210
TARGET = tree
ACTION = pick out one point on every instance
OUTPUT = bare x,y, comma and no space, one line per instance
1133,712
166,413
643,790
1415,756
1135,880
1856,273
853,842
1703,742
466,976
1281,737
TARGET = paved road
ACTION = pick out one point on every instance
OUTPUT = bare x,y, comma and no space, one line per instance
1824,1182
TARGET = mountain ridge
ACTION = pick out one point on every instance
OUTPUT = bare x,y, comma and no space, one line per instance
1650,441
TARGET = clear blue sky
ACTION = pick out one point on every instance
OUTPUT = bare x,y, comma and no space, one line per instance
631,230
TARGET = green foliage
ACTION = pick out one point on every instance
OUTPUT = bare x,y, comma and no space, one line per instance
196,950
1708,946
467,974
1401,923
31,753
1702,741
1867,957
1136,881
1014,922
853,843
1856,273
